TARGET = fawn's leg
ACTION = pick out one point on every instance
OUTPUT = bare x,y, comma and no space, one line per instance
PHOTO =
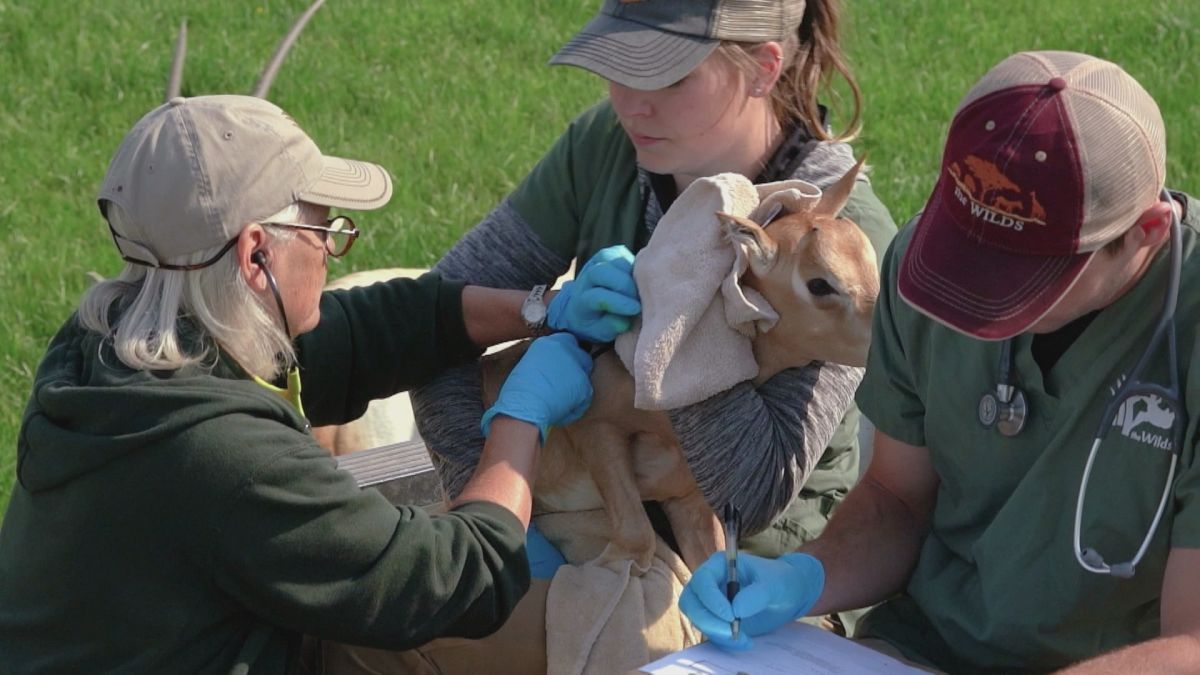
605,450
663,474
697,529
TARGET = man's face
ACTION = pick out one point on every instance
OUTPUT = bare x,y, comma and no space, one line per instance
1105,279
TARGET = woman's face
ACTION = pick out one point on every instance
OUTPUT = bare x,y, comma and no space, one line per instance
702,125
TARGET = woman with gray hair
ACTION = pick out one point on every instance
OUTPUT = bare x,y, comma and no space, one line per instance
172,512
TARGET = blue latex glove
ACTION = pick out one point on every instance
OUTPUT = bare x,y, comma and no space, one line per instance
544,558
601,302
548,387
773,592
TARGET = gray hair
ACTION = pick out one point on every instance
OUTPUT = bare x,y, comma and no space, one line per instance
143,310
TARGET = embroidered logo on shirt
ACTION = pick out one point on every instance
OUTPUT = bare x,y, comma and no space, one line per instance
1138,412
992,197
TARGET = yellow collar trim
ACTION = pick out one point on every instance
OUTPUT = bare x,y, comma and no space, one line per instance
291,394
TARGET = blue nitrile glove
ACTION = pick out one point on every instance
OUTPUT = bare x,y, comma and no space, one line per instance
544,558
773,592
548,387
602,301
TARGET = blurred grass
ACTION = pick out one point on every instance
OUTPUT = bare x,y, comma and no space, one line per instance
454,98
916,59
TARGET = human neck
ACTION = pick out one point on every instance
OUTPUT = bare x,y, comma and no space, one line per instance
1140,265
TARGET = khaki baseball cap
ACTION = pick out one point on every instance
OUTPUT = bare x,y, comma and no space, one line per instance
194,171
1050,156
649,44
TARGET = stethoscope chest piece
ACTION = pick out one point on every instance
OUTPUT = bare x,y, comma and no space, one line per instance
1004,409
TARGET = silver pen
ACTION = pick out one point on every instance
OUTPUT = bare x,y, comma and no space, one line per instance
731,578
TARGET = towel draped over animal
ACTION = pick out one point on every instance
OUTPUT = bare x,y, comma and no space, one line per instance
603,614
693,339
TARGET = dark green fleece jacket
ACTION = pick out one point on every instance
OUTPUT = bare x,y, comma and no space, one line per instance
186,521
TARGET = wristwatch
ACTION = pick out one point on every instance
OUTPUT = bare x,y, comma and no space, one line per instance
533,311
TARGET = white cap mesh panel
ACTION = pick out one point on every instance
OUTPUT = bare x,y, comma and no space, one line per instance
1118,127
756,20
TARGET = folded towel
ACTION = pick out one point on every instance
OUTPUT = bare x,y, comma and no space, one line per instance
693,339
602,614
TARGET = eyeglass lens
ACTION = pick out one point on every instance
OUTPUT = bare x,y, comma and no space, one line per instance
340,237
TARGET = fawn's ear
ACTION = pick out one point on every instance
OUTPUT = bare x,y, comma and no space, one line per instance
835,196
750,242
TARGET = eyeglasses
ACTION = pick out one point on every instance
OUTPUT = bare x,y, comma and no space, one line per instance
338,233
336,246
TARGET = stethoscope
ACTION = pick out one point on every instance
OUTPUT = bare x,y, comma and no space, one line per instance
1007,409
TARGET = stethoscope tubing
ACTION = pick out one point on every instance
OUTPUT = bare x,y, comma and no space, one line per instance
1164,329
1008,409
1089,558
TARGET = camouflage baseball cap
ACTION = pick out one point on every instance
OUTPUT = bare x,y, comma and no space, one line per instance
649,44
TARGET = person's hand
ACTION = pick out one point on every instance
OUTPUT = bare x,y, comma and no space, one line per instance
549,386
602,301
544,558
773,592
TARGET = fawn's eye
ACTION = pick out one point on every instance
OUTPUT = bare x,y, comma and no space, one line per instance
820,287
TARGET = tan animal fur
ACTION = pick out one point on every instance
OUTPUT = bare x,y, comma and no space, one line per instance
818,272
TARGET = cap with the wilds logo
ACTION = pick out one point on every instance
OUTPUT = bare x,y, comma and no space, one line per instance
1050,156
649,44
194,171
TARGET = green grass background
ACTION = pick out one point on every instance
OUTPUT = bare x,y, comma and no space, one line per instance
454,97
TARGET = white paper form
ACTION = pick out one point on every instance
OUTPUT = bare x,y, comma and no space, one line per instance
795,649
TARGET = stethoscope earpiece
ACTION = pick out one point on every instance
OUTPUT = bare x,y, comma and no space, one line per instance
1091,557
258,258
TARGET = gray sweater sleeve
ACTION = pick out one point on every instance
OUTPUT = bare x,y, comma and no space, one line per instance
755,446
500,252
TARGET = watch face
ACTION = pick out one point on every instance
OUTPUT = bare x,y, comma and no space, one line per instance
533,312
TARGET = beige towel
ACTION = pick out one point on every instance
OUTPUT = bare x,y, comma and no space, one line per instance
602,615
693,338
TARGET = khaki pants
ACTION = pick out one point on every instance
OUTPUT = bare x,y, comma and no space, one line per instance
518,648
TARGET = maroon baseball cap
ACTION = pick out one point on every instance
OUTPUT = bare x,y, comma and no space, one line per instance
1049,157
